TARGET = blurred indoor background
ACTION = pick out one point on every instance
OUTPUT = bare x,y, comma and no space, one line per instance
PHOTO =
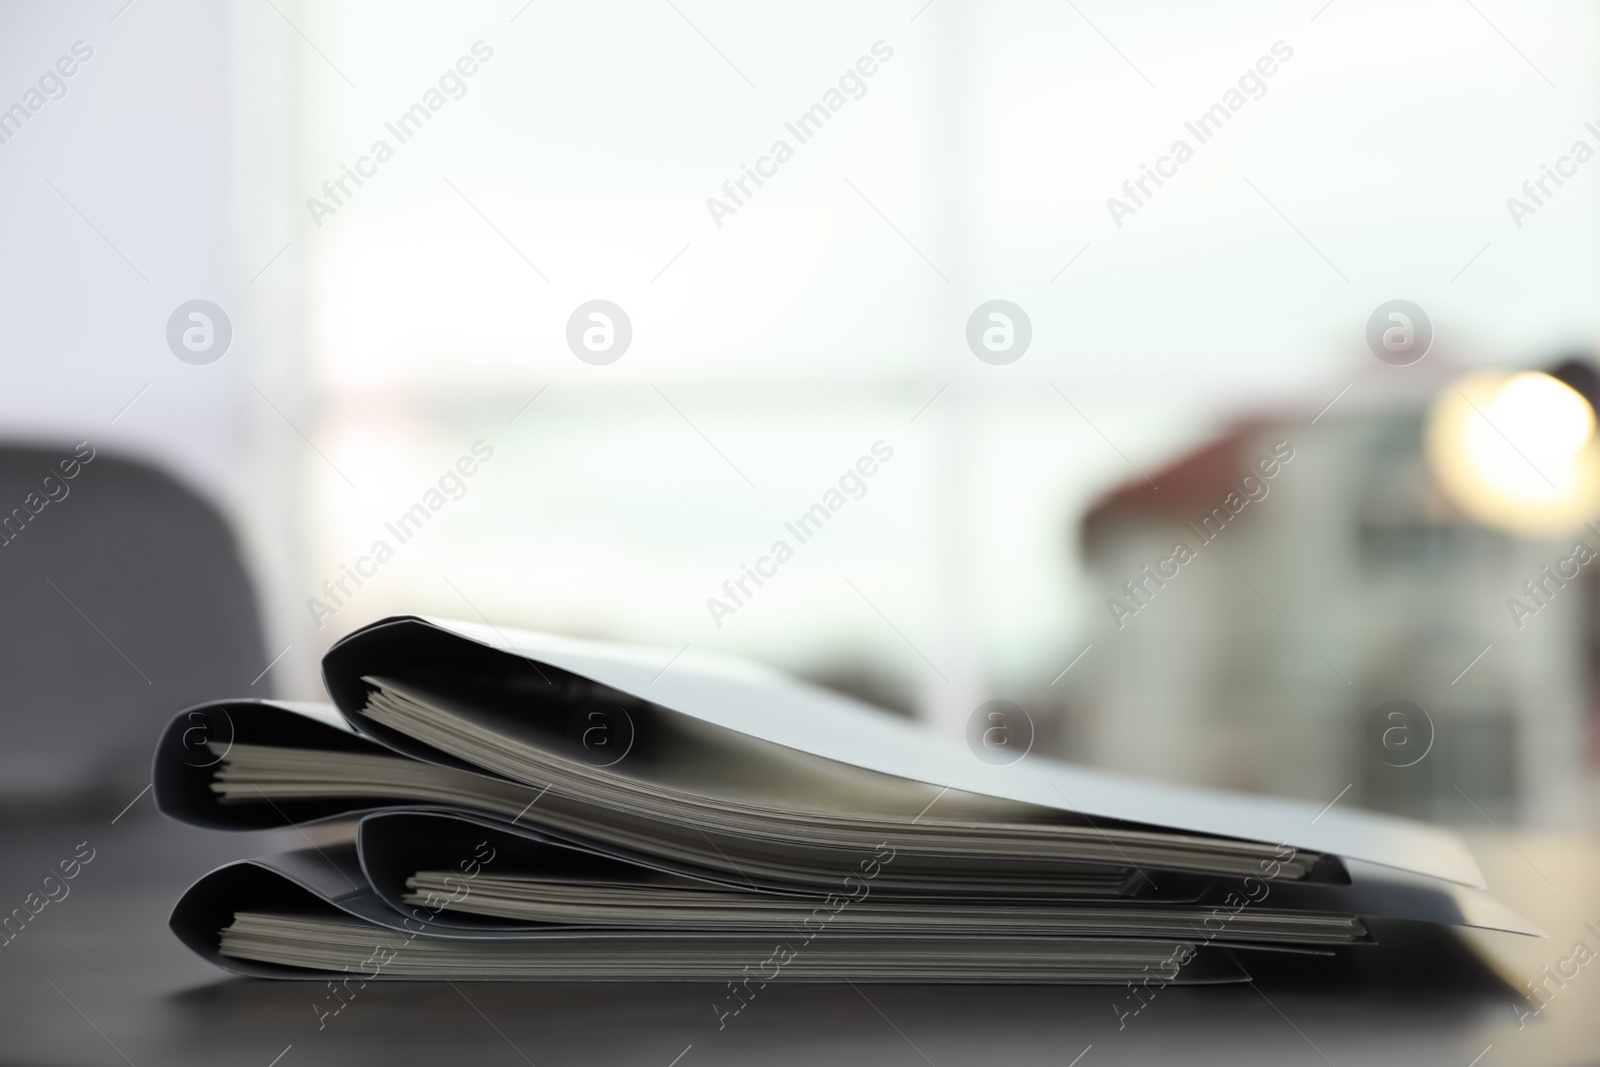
382,328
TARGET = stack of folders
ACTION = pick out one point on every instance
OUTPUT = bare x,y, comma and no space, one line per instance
507,805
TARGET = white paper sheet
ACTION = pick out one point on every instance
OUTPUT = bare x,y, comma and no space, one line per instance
764,704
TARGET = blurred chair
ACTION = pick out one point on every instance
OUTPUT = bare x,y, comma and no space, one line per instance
124,600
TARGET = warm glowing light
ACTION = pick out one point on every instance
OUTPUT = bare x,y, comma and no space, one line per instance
1544,417
1517,452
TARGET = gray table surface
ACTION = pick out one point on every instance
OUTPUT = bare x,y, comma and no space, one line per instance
96,978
